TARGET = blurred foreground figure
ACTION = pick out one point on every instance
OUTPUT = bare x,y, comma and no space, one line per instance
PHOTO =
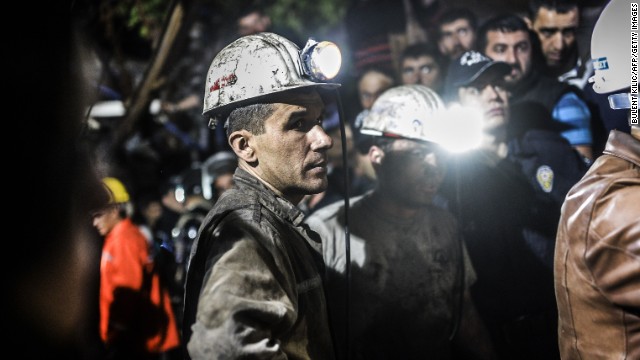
254,286
50,279
597,260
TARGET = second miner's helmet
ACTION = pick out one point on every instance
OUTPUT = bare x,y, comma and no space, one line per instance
407,111
256,66
610,53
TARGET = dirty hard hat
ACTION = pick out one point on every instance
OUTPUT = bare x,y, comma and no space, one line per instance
406,111
256,66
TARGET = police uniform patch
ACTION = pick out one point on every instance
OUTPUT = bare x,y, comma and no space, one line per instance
544,175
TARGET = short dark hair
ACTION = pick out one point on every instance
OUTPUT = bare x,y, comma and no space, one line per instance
509,23
252,7
250,118
506,23
457,13
422,49
375,68
559,6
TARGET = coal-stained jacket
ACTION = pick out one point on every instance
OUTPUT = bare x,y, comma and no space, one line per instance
254,284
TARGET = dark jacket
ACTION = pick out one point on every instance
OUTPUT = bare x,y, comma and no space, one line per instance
542,89
597,262
508,210
254,287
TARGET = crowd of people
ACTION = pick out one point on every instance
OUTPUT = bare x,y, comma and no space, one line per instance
299,220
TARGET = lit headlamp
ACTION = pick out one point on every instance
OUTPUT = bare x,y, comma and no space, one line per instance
321,61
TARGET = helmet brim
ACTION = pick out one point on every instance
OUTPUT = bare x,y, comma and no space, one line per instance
224,110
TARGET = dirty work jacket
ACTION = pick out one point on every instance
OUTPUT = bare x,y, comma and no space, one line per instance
254,287
597,260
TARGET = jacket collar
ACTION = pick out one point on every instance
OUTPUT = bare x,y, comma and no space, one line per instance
267,198
624,146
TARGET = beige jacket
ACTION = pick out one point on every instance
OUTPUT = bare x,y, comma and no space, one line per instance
597,258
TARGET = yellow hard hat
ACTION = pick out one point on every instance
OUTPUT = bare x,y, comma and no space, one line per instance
117,192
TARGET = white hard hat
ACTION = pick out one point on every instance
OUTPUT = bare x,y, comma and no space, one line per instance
611,50
263,64
406,111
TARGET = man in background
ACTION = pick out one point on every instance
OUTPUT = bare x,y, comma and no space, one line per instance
556,25
507,196
422,64
508,38
456,31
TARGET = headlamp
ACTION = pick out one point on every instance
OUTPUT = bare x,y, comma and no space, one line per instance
321,61
180,194
460,129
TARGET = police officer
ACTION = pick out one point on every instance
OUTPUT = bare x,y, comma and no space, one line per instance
507,195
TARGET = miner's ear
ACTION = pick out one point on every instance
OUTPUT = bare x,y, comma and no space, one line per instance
241,143
376,154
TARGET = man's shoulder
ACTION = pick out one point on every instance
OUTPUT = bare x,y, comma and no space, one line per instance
334,209
549,146
326,217
127,228
330,219
610,186
572,96
542,88
565,91
327,211
245,201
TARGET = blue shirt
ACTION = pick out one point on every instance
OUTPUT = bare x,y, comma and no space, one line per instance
573,111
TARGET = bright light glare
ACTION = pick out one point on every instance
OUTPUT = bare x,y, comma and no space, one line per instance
327,59
111,108
180,194
459,129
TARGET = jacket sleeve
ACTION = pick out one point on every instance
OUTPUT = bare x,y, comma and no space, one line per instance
244,308
613,253
549,162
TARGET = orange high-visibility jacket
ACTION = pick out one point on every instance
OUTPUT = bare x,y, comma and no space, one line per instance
125,260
